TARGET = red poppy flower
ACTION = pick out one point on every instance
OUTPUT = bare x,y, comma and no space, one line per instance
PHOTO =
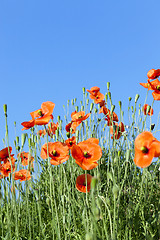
52,127
7,166
26,158
79,116
81,183
117,130
5,152
41,132
28,125
153,73
57,151
96,95
146,148
149,108
22,174
86,154
71,127
155,85
70,142
41,116
94,90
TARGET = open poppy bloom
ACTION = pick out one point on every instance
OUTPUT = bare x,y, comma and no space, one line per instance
22,175
5,152
96,95
116,130
147,110
155,85
41,116
153,73
81,183
26,158
71,127
146,148
86,154
57,151
7,166
79,116
52,127
70,142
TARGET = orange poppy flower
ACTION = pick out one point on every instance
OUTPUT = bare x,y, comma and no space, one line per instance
102,103
153,73
98,98
22,174
70,142
28,125
86,154
26,158
6,167
150,112
94,90
41,116
71,127
57,151
146,148
81,183
52,127
41,132
4,153
155,85
111,118
79,116
118,129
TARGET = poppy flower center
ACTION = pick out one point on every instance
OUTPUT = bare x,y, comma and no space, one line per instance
80,116
158,87
70,143
86,154
40,113
144,149
54,152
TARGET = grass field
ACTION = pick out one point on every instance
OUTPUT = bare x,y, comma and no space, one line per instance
119,201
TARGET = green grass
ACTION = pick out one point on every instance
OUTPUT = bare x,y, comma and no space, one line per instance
124,203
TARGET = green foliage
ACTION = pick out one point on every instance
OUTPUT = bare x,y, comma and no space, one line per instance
124,203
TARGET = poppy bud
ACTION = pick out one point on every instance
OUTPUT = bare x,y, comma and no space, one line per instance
94,182
137,97
120,104
91,107
106,97
23,139
17,140
115,190
109,95
83,89
109,175
130,99
5,108
47,201
108,85
96,212
119,153
112,108
89,236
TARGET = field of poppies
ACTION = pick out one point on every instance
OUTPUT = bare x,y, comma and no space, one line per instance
89,176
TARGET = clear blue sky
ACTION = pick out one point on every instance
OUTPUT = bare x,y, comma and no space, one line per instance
50,49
